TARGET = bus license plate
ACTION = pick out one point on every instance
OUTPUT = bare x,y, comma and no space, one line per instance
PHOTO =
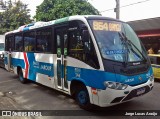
140,91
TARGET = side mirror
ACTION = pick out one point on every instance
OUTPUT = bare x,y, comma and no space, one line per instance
85,35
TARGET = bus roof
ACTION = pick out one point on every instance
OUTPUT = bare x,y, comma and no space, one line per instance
40,24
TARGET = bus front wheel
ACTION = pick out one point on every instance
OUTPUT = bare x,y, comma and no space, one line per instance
21,78
82,98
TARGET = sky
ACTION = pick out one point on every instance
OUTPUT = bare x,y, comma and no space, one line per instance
148,9
144,10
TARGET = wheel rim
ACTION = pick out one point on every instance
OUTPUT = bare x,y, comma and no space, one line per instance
82,97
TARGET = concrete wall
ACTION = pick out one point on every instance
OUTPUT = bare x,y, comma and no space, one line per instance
2,38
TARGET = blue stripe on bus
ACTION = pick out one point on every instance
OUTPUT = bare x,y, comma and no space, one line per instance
96,79
18,62
92,78
26,29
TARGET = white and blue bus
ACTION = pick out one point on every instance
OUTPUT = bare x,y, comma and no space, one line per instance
1,45
97,60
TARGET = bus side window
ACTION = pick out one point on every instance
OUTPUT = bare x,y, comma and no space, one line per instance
29,41
18,42
90,54
43,38
10,43
79,48
6,44
76,46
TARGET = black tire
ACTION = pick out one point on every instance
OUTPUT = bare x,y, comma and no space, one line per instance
82,98
21,78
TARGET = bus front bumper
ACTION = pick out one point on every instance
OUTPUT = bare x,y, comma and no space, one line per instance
111,97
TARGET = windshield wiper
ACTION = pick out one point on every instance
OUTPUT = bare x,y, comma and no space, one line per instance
125,47
130,45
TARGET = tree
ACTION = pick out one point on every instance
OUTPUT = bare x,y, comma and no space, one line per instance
15,16
54,9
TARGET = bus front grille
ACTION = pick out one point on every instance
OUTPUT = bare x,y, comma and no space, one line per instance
135,70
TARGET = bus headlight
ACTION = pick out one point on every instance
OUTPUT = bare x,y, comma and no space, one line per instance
115,85
151,78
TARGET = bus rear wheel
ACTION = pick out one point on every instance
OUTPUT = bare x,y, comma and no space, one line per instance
21,78
82,98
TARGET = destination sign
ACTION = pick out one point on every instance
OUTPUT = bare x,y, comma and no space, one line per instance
103,25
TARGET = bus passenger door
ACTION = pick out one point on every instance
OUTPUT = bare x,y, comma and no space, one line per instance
9,48
9,60
61,46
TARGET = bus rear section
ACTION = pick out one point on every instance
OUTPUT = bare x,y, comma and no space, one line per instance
2,38
155,61
95,59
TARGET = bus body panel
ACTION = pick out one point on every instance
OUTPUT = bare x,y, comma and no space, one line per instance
135,79
38,70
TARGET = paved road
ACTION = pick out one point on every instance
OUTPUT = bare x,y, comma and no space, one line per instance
31,96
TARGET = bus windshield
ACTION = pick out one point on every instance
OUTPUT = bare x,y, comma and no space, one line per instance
117,41
1,46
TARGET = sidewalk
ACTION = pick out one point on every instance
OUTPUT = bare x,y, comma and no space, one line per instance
7,103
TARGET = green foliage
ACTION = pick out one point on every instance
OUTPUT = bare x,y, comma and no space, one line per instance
54,9
15,16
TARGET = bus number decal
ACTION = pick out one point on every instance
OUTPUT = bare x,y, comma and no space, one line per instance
77,72
99,25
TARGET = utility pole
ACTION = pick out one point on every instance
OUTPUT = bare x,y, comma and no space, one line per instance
117,9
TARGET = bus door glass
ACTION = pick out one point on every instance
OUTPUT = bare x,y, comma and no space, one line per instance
9,48
61,46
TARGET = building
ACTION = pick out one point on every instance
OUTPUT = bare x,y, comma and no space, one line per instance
2,37
148,30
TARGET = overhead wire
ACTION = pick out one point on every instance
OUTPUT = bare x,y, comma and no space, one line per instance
126,5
